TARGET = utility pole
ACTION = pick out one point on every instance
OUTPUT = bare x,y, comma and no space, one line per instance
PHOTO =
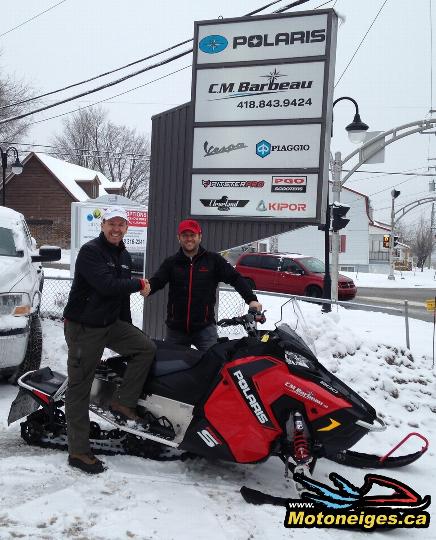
431,187
394,195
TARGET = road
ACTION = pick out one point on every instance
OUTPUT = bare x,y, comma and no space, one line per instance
395,298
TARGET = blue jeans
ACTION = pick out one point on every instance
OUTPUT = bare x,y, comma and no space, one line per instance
202,339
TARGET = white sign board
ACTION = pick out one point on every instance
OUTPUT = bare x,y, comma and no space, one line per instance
288,37
86,225
267,92
257,147
281,196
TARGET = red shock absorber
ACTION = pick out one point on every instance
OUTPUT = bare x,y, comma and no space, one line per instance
301,444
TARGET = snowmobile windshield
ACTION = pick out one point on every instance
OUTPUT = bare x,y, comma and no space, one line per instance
292,327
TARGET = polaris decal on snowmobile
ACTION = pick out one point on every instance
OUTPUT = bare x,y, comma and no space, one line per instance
349,506
209,438
250,397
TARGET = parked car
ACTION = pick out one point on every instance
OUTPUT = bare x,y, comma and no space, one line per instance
290,273
21,283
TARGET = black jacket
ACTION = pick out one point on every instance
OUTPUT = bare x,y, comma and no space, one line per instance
100,293
192,287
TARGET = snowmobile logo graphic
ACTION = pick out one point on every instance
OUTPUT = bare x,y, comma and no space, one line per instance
249,396
349,505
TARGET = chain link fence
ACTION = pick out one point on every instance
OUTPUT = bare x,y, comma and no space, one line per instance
56,290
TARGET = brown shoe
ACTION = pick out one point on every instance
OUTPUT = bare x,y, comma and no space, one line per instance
123,413
87,463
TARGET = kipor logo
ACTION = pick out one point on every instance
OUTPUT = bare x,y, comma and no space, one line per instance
264,148
289,184
213,44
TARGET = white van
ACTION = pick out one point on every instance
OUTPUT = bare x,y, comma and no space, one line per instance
21,282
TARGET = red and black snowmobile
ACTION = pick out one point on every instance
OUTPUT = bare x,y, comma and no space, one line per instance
242,401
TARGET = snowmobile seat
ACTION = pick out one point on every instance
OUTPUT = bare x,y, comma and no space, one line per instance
45,380
173,358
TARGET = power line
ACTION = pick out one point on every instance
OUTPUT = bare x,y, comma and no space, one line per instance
73,85
111,97
98,88
32,18
122,79
361,42
96,76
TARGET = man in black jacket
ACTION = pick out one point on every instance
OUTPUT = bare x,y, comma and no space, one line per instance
96,316
193,274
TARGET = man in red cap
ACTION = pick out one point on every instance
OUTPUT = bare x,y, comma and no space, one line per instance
193,274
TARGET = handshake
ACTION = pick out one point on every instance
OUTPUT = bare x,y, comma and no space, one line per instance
145,291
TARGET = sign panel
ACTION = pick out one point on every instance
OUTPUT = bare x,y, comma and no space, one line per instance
268,92
287,37
281,196
86,225
257,147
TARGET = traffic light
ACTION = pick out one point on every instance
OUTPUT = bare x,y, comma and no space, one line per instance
395,241
339,212
386,240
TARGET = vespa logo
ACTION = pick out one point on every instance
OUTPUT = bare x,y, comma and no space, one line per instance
211,150
263,148
213,44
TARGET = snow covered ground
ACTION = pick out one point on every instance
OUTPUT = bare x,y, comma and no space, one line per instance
412,279
42,498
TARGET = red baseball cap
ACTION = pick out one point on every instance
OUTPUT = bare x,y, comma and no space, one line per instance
189,225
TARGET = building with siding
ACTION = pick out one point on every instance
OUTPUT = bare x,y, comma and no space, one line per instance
44,191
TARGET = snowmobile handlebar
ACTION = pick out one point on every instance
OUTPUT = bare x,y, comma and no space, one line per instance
248,321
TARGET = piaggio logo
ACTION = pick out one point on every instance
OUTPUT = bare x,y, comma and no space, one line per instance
288,184
301,37
264,148
213,44
249,88
233,183
224,204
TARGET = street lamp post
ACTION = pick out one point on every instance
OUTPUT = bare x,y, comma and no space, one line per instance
365,152
17,168
356,133
394,195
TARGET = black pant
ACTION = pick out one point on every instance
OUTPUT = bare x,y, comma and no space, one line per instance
85,348
202,339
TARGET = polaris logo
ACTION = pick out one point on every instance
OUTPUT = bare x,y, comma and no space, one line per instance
282,38
250,398
213,44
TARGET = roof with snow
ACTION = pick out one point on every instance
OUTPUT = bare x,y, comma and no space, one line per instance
68,174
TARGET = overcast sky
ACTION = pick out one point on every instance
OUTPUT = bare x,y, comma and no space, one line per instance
390,76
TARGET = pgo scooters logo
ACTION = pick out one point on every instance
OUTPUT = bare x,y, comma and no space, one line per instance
263,148
213,44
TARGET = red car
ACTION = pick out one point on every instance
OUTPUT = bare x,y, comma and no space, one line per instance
290,273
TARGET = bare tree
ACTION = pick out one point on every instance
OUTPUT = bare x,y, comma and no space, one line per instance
421,241
12,93
90,140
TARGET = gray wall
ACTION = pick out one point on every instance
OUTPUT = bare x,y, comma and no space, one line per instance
169,203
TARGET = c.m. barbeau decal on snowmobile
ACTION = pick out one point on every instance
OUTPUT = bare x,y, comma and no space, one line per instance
243,401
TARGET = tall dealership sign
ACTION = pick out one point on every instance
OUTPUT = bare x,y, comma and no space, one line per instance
262,95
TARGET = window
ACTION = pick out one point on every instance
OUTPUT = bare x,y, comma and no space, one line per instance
7,244
347,269
288,265
251,260
313,265
270,263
